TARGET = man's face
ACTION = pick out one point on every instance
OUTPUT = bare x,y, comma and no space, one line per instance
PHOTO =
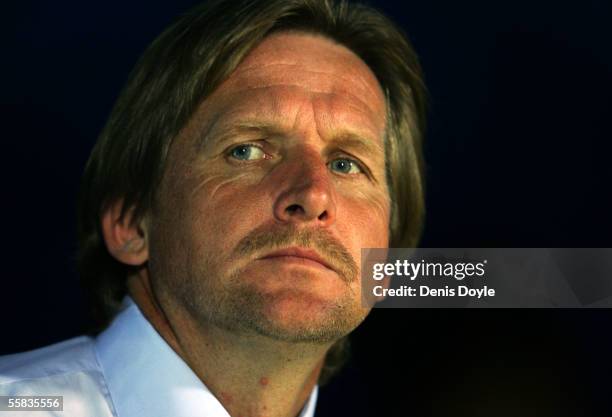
287,153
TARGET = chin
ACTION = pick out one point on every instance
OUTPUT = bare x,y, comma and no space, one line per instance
284,310
295,316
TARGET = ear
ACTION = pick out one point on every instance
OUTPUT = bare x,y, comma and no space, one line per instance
125,239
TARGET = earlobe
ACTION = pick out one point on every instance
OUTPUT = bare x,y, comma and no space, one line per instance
125,239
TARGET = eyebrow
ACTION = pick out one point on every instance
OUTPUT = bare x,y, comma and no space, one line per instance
343,137
354,141
242,127
215,134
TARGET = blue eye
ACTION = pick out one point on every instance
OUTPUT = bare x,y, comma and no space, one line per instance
345,166
247,152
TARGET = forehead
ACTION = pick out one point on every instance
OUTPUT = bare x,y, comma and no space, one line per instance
287,67
319,59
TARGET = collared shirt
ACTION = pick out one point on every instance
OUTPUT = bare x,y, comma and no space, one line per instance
127,371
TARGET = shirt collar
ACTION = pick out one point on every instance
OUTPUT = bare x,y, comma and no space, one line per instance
145,377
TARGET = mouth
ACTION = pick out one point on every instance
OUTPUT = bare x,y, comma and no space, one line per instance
302,256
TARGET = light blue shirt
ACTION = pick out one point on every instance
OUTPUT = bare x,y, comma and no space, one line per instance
127,371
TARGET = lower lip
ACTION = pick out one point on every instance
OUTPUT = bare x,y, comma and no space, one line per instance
297,261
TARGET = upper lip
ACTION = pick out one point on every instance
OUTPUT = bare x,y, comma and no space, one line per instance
300,253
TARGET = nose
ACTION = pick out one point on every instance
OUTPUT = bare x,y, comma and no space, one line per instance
308,194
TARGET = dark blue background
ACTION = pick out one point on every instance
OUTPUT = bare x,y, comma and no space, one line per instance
517,155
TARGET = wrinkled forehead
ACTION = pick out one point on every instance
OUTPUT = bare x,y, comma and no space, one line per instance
310,63
314,53
311,60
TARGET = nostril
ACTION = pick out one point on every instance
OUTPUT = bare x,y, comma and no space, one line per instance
323,215
293,208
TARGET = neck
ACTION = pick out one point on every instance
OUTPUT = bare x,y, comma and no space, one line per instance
251,375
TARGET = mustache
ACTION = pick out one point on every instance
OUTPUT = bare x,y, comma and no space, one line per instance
269,238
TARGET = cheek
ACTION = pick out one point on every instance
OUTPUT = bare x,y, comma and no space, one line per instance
204,216
217,187
365,216
221,207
